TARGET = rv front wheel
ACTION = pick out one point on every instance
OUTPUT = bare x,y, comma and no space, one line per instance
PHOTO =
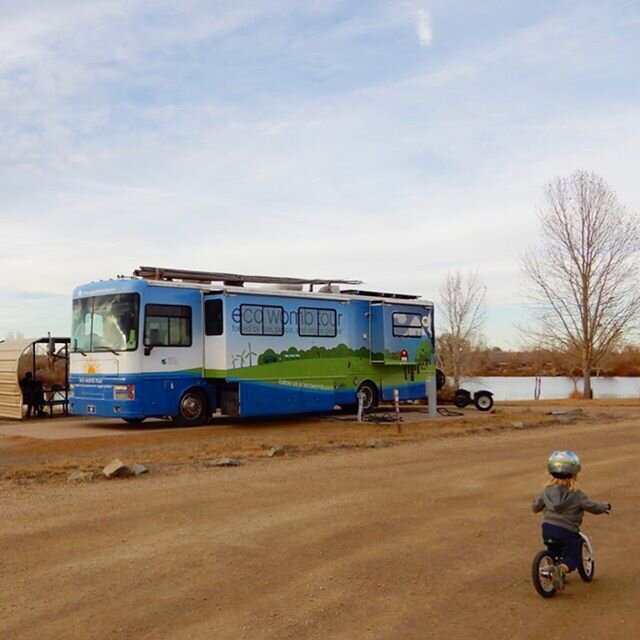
192,409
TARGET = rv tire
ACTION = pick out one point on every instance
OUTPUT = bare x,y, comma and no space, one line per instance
370,392
192,409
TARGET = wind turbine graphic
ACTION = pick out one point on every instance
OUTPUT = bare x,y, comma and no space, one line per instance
249,354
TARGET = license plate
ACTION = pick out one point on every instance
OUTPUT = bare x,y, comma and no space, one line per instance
91,408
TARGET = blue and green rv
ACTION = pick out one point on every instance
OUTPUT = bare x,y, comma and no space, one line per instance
190,344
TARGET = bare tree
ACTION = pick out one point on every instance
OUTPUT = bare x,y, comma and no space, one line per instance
583,275
462,309
13,335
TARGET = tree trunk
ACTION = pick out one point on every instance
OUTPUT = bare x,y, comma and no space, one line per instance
456,372
587,392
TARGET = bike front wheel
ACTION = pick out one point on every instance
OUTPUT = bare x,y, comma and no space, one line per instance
542,573
587,564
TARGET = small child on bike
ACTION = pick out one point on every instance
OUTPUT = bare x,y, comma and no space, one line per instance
563,506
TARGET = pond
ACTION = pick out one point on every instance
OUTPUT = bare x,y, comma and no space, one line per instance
552,388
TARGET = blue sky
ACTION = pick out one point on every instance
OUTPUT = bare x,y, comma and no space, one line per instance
389,141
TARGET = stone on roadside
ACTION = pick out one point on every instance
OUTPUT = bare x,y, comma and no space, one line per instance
517,425
276,451
567,412
222,462
116,469
376,444
139,469
80,476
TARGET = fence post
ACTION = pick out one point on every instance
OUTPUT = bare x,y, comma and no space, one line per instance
396,406
360,403
432,395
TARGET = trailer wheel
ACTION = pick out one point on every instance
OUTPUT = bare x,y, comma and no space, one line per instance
192,409
461,398
483,400
370,393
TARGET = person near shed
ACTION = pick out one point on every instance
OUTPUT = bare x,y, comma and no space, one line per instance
32,395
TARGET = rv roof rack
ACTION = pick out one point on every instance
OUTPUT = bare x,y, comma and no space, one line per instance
380,294
229,279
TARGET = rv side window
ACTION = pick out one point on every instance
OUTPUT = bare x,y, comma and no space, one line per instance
407,325
213,325
167,325
317,323
261,320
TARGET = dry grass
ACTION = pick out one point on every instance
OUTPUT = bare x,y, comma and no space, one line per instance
50,371
166,449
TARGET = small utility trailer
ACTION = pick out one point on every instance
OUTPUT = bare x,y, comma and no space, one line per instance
482,399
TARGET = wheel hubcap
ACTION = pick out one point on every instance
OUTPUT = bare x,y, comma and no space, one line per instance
546,573
367,397
191,407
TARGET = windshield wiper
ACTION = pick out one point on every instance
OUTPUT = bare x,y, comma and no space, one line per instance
116,353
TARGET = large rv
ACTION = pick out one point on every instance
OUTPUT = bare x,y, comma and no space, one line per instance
191,344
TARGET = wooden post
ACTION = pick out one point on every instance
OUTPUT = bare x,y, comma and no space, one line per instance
396,406
360,403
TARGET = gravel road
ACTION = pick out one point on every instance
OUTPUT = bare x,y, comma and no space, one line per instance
429,537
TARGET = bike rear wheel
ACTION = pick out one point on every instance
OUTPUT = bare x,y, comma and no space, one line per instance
542,573
587,565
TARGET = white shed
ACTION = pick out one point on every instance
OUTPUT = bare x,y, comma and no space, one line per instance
46,358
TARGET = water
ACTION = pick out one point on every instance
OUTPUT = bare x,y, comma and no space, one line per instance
552,388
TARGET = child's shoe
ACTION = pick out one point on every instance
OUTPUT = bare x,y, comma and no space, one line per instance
559,575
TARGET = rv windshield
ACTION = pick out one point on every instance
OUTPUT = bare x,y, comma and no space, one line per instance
106,323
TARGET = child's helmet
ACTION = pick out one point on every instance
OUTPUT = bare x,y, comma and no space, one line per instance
563,464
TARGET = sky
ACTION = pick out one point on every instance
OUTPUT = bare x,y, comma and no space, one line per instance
390,141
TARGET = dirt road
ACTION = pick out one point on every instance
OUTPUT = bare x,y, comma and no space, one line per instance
429,538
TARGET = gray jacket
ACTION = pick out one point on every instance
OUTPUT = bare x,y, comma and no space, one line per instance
565,508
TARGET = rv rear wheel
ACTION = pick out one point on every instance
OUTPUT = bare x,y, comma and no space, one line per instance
192,409
369,392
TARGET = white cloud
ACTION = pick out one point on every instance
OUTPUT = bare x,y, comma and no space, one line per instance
423,27
295,142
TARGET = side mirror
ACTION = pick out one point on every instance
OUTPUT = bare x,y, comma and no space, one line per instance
154,341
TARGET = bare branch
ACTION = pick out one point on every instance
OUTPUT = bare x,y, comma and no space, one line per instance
583,274
462,306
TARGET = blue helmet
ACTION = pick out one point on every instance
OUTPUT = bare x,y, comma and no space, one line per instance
563,464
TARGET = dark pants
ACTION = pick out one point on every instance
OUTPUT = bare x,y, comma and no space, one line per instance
33,397
570,543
